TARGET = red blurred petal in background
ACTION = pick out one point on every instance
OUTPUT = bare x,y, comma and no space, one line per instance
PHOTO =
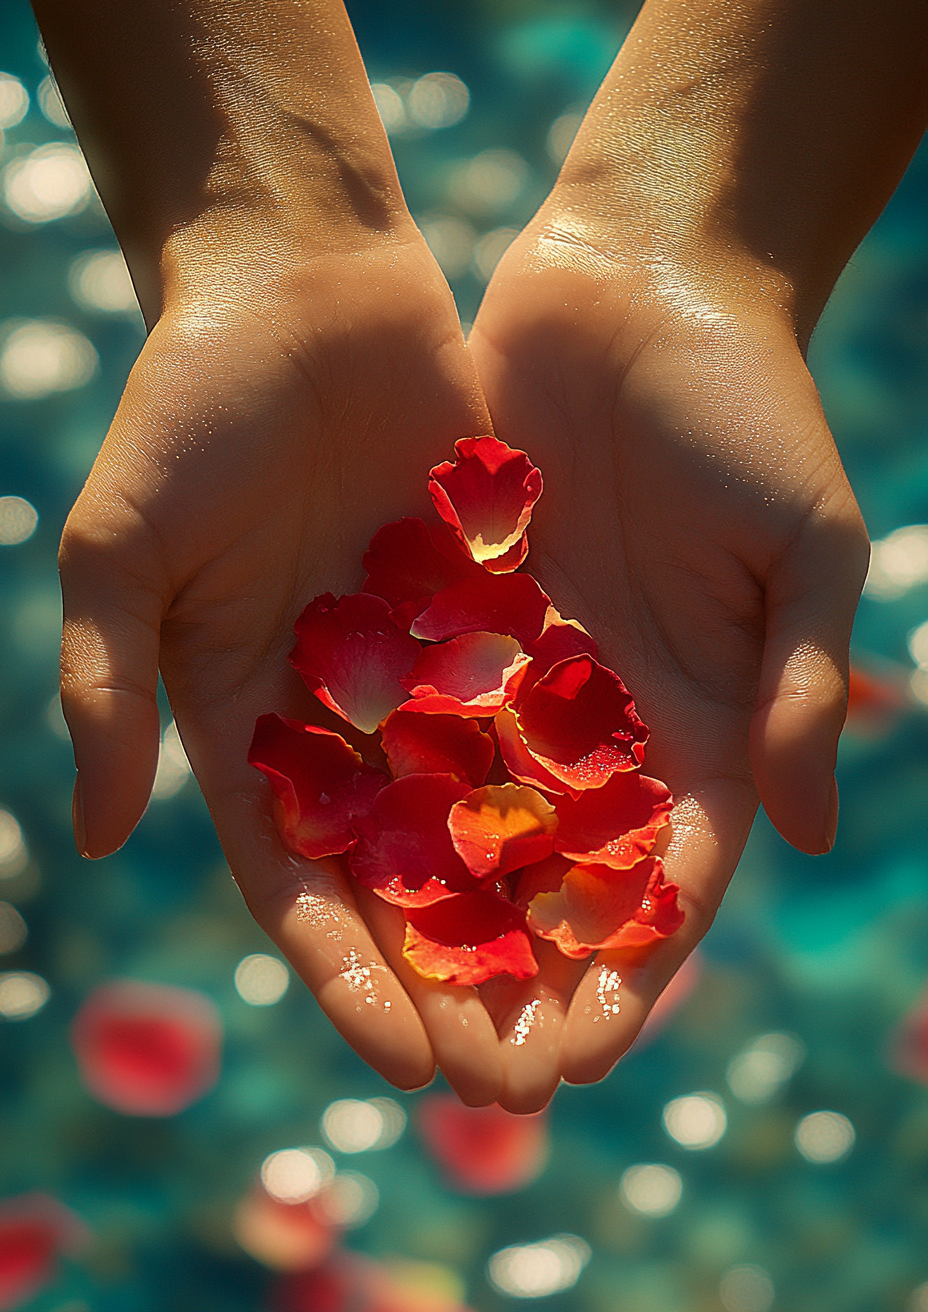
579,723
616,825
351,655
908,1047
285,1236
147,1049
499,828
348,1282
492,603
34,1229
469,939
476,674
404,850
673,996
487,496
597,907
437,744
483,1150
320,784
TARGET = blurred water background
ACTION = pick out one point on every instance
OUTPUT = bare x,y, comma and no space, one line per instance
779,1114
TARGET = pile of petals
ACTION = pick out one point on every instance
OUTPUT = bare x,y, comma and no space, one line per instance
487,774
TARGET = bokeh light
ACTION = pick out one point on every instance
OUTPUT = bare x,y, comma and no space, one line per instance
14,101
51,104
173,767
490,249
294,1175
540,1269
918,1300
489,183
22,994
824,1137
651,1189
99,280
14,855
348,1201
13,929
695,1121
746,1288
390,106
351,1125
261,980
41,356
451,241
763,1067
48,183
437,100
898,562
283,1236
18,521
561,135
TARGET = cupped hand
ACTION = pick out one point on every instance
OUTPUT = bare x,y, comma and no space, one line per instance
697,520
271,424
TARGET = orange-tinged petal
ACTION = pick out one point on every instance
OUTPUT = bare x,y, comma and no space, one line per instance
404,850
408,561
437,744
351,655
493,603
559,639
476,674
320,784
519,761
616,825
500,828
597,907
579,724
486,496
469,939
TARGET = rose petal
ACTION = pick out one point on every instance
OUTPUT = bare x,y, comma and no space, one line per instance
437,744
519,761
469,939
616,825
502,827
486,496
579,724
476,674
352,656
493,603
597,907
559,639
409,561
404,850
320,784
483,1150
34,1229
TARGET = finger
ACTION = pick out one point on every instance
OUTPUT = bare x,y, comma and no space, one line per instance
612,1001
109,680
529,1016
306,907
462,1035
802,696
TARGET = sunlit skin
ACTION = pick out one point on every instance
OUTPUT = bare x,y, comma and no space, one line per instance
306,368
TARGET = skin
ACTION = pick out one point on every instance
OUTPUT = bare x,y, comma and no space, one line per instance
305,366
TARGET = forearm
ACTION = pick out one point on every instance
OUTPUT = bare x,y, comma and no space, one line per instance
754,141
241,124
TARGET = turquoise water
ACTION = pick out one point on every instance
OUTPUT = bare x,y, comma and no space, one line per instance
831,950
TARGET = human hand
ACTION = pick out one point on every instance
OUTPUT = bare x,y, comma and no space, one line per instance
266,432
697,520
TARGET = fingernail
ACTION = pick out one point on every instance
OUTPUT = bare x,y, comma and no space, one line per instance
77,817
831,816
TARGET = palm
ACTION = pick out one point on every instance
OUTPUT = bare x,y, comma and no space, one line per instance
252,458
691,485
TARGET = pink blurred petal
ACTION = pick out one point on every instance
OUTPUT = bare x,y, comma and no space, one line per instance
483,1150
34,1229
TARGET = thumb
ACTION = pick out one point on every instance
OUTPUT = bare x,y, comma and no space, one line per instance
109,679
811,598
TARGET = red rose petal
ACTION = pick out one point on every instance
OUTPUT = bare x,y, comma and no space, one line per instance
476,674
579,724
616,825
409,561
404,850
352,656
518,759
320,784
559,639
493,603
469,939
437,744
597,907
486,496
147,1049
34,1229
483,1150
284,1236
500,828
